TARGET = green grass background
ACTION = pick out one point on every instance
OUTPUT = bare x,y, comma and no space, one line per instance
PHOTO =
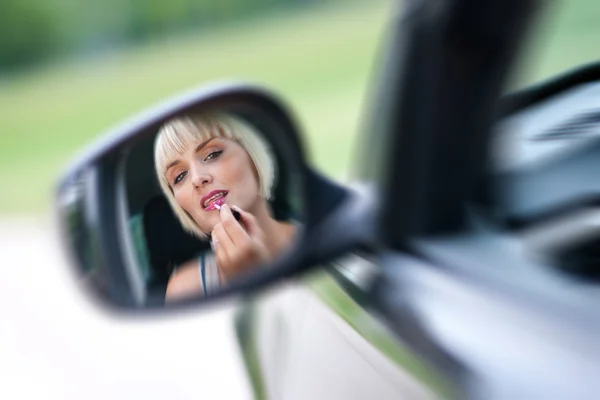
320,60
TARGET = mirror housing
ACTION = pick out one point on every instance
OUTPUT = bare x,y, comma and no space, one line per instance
92,207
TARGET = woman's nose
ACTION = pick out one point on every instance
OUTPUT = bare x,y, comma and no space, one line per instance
201,179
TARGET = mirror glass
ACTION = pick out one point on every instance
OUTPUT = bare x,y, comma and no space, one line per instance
205,200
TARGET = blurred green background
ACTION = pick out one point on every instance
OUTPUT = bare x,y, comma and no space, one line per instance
317,55
69,69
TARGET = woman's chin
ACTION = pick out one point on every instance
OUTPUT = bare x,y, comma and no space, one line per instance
207,225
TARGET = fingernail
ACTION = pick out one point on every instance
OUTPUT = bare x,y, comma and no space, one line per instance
236,208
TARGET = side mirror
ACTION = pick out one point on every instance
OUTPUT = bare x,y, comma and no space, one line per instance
205,195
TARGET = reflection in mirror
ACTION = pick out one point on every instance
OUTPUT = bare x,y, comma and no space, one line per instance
205,201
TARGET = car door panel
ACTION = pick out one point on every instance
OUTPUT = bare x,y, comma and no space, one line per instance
314,341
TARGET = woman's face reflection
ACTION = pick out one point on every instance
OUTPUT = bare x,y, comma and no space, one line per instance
208,179
209,173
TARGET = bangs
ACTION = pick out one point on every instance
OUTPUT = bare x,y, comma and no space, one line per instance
178,135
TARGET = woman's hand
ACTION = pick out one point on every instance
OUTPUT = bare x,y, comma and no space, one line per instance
237,245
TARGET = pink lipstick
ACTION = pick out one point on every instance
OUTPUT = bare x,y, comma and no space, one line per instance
236,214
212,199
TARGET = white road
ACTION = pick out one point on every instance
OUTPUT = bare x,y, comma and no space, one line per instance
55,343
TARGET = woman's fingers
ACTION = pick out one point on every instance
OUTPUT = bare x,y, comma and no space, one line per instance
237,248
234,229
254,230
222,245
232,256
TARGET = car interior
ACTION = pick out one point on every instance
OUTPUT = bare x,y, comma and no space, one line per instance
547,148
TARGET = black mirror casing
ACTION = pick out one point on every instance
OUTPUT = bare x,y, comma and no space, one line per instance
90,212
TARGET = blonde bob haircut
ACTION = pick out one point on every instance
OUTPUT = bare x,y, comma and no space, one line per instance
178,134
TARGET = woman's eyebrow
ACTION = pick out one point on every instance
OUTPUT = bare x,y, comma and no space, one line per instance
172,164
201,145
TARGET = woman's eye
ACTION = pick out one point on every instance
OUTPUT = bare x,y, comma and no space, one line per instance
213,154
179,177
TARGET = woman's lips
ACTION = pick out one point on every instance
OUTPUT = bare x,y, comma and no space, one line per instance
220,200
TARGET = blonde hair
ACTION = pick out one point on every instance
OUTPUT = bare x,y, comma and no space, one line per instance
176,135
